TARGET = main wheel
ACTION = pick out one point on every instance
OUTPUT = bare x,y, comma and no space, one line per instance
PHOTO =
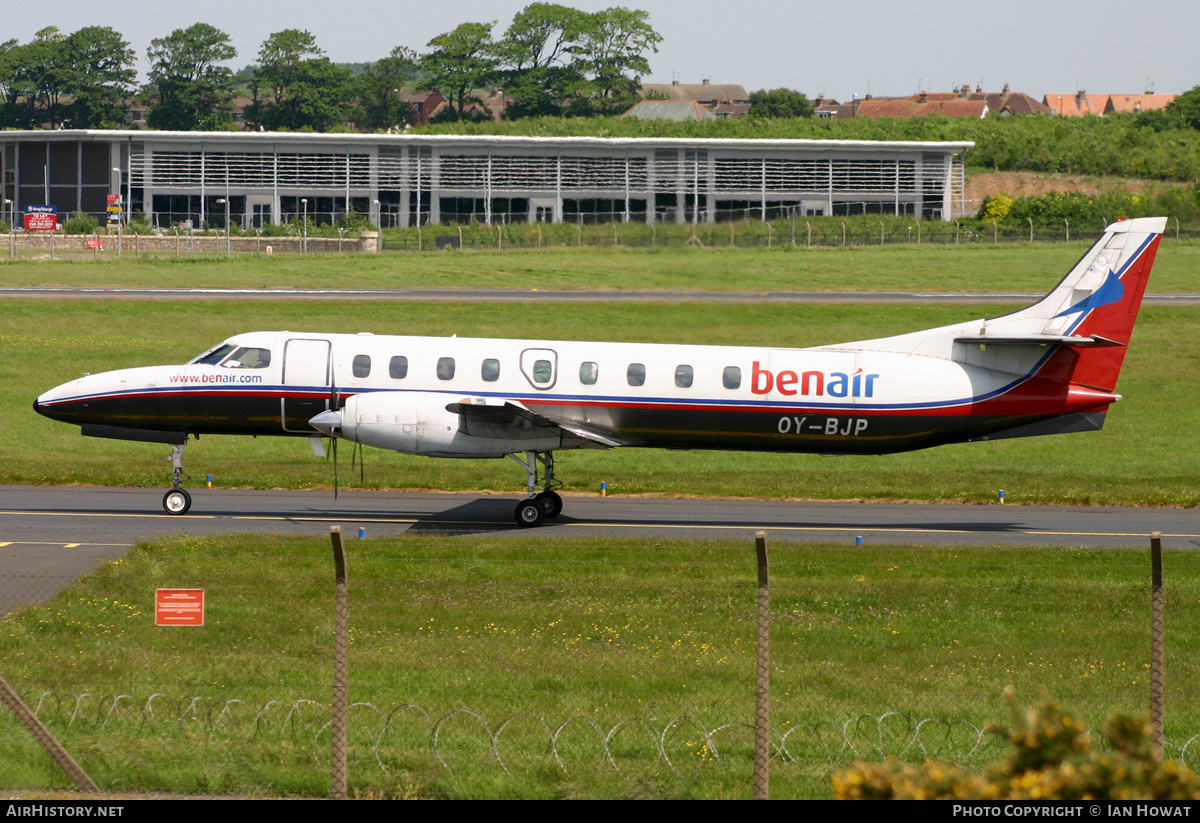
530,513
551,504
177,501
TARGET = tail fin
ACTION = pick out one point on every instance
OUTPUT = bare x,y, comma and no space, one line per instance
1092,309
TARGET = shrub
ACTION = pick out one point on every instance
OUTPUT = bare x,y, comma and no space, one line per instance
80,223
1052,758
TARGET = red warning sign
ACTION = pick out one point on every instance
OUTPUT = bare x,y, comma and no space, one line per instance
179,607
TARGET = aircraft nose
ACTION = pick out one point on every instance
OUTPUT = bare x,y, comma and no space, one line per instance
49,403
328,422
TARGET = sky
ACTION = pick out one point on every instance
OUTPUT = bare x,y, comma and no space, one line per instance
832,47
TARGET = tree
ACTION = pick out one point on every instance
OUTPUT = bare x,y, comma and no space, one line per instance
96,71
307,91
380,103
33,80
537,55
461,61
1186,108
779,103
613,46
188,89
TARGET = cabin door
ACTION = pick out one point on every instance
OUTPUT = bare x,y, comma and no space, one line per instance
306,380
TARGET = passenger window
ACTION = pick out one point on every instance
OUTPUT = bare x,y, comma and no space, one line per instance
542,371
248,359
732,378
362,365
588,372
636,374
490,371
398,367
445,368
683,377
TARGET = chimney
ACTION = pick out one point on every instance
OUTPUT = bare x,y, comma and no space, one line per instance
1006,90
675,82
923,98
964,92
704,81
1079,95
978,89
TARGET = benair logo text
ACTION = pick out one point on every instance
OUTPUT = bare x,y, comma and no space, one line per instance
812,383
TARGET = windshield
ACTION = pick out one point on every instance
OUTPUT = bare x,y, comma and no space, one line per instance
215,355
229,356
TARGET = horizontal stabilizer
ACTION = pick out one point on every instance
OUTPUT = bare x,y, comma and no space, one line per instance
1062,424
1037,340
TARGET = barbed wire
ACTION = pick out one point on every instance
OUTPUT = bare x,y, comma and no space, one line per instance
627,742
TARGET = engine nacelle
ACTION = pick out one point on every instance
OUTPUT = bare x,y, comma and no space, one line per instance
418,423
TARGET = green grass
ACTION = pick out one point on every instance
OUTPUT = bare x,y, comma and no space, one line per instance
607,632
976,268
1142,457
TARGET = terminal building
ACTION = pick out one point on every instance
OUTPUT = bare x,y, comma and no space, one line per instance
408,180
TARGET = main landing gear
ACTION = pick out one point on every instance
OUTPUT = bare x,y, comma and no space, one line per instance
177,500
538,506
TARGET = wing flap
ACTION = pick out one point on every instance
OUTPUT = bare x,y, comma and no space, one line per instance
485,417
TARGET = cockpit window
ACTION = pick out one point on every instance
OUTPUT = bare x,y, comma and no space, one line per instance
248,358
214,356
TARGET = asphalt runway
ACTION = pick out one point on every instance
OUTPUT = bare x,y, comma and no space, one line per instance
118,517
50,535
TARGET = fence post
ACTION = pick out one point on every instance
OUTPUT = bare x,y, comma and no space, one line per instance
809,241
762,691
1176,228
341,665
881,232
732,241
1067,223
768,222
995,233
1156,644
843,232
918,222
47,741
1030,219
957,227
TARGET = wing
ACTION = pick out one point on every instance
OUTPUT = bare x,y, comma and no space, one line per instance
485,417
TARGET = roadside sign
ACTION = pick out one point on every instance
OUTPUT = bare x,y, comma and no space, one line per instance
113,200
41,218
179,607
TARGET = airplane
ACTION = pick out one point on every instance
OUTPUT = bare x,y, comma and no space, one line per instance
1049,368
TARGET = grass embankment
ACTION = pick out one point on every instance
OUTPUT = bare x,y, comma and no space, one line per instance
906,268
1144,456
634,639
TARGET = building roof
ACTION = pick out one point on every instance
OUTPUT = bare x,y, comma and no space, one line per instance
241,139
669,110
1134,103
952,107
1076,104
705,92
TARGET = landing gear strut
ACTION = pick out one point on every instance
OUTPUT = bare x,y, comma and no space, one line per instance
177,500
538,506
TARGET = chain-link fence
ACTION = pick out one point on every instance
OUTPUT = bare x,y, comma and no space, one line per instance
796,232
484,662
